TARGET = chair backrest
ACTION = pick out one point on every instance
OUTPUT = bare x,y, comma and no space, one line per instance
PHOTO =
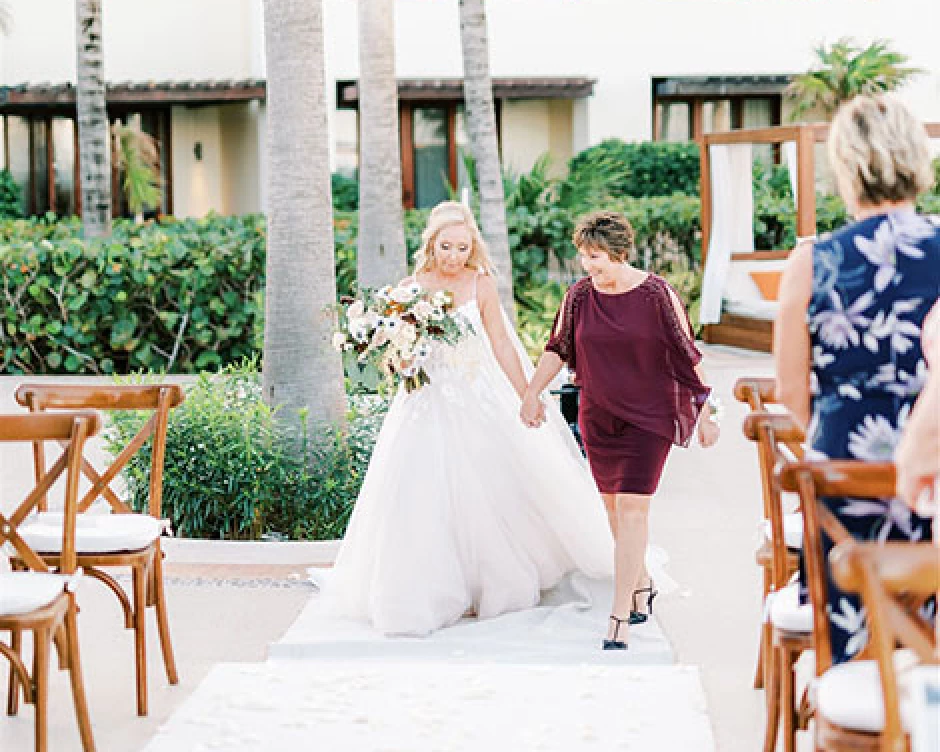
888,576
814,481
156,398
71,430
755,391
779,440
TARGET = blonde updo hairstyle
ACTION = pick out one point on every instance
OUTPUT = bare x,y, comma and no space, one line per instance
448,214
879,152
606,231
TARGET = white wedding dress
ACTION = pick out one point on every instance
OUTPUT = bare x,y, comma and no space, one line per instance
464,508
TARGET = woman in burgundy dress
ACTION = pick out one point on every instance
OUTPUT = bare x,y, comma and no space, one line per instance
626,336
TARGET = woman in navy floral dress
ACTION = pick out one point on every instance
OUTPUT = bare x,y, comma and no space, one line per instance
847,343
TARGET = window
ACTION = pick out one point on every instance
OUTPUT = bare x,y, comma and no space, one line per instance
434,145
41,151
687,107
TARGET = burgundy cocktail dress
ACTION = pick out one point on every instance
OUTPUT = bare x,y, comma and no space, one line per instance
636,369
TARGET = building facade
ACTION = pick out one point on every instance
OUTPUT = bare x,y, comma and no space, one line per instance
568,74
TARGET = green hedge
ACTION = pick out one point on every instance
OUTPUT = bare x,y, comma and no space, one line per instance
616,169
179,296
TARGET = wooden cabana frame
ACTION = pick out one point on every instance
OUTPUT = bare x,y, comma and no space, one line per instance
736,329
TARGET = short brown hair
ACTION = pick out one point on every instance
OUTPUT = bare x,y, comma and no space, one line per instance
879,150
606,231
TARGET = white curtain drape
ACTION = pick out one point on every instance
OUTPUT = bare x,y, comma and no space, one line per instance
732,213
789,155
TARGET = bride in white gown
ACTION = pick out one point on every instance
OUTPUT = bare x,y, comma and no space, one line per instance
464,509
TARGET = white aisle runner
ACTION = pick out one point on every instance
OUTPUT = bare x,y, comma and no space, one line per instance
534,680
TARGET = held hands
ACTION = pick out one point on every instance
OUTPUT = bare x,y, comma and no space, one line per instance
532,411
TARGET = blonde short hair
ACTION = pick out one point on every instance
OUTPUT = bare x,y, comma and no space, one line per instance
879,151
606,231
448,214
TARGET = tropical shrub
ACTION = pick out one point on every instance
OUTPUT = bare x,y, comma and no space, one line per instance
10,207
615,169
178,295
231,472
345,192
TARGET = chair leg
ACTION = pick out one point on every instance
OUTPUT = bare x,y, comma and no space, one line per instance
787,698
163,623
42,639
77,681
61,647
140,636
13,687
772,693
763,648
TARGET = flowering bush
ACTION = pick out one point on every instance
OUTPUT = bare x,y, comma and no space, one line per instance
390,334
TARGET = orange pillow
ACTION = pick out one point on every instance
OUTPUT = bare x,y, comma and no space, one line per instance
768,283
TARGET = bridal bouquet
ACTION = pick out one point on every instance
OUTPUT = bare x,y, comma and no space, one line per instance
390,334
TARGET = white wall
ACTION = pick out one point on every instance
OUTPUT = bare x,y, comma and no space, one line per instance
624,44
197,184
240,162
144,41
530,128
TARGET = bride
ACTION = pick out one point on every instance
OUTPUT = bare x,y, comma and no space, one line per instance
464,510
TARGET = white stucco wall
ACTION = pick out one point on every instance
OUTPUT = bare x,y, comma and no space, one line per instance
169,40
197,183
621,44
530,128
240,158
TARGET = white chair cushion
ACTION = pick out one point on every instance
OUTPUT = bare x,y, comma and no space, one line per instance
22,592
787,613
94,533
792,530
849,695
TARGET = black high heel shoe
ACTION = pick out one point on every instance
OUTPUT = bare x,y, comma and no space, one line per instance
637,616
613,643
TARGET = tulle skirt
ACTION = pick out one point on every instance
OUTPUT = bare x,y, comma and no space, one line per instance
465,509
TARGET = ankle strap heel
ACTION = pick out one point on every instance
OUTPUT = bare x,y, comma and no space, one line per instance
614,643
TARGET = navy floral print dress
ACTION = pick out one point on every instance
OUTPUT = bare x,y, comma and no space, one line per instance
873,283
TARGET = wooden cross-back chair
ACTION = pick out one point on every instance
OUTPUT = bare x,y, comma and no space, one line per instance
123,538
758,394
787,628
890,577
34,599
843,694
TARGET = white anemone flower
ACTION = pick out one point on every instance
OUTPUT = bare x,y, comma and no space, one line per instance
339,340
403,295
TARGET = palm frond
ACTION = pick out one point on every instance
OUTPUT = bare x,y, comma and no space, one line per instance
843,71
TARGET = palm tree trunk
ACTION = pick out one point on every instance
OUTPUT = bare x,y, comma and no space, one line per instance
481,122
382,255
302,371
94,135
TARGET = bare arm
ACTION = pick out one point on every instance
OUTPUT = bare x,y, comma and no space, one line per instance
493,322
918,454
791,335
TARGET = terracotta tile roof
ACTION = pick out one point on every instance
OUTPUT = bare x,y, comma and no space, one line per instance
429,89
169,92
